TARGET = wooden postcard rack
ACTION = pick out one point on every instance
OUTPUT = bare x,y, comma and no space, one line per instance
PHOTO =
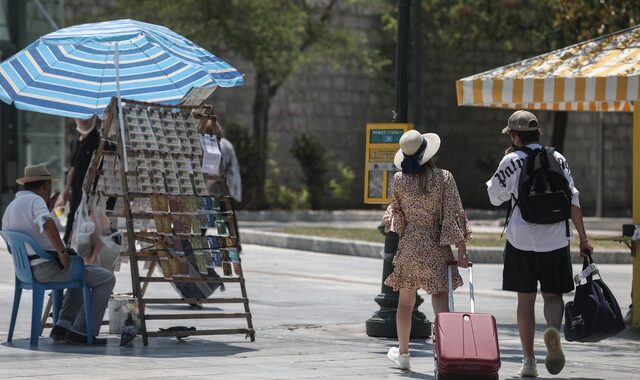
151,172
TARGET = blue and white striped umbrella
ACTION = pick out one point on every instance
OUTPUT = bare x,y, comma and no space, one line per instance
75,71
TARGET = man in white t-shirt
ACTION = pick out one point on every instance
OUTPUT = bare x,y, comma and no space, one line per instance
535,252
30,214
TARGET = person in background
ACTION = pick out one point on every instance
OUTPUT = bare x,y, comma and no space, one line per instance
426,212
231,172
535,252
30,214
82,149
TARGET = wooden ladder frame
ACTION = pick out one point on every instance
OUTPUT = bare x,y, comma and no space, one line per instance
140,283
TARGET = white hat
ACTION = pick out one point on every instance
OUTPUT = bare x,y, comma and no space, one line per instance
35,173
85,126
412,141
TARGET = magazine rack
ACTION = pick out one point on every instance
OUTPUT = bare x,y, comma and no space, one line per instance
149,172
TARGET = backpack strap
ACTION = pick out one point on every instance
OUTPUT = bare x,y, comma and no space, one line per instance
531,153
545,153
550,153
527,150
509,212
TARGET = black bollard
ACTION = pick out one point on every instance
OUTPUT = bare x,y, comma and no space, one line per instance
383,322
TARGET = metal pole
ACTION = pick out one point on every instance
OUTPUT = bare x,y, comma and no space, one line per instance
600,181
417,65
46,15
120,117
61,124
402,54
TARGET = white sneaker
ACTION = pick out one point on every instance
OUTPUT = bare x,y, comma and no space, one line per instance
403,361
555,358
528,368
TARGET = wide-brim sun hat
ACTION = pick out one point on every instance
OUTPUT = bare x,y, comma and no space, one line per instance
411,141
33,173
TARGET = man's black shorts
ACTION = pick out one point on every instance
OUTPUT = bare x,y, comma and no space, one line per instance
523,269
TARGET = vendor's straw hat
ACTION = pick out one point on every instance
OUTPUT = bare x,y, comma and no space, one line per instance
33,173
85,126
410,143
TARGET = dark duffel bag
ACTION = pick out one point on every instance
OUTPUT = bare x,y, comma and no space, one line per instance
594,313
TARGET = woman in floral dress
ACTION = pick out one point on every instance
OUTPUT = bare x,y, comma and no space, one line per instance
427,214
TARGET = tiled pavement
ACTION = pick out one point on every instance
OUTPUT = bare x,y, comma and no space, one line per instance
309,311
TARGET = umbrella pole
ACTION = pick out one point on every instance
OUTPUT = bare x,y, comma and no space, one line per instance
636,216
120,117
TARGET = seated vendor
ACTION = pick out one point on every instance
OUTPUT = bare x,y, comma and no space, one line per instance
30,213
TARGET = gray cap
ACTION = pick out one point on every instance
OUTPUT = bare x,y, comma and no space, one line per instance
521,121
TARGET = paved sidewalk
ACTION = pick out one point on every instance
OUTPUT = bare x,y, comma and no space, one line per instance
309,311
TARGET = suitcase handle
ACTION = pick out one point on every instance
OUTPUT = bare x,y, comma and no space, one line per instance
450,281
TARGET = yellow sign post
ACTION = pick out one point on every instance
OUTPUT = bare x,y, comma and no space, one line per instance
382,145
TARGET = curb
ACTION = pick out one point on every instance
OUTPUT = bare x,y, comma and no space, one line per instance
481,255
339,215
311,243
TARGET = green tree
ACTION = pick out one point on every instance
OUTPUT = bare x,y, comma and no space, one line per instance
327,184
528,26
312,156
275,36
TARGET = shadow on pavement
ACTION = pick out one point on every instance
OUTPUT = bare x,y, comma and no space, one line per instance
416,375
159,347
183,308
551,377
511,330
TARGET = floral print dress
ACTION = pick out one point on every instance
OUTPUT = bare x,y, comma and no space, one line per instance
427,224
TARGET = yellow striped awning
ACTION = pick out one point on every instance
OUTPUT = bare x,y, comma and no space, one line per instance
597,75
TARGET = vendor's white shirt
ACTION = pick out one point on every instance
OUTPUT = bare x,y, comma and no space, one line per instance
27,213
523,235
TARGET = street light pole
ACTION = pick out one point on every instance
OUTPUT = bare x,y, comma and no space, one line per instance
383,321
402,60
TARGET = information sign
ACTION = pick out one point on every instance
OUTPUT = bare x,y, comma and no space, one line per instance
382,143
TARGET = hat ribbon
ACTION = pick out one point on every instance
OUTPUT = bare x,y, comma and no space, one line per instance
411,163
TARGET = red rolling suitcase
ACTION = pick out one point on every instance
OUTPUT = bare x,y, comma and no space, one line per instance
465,343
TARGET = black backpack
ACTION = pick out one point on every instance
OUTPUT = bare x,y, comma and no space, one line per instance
544,196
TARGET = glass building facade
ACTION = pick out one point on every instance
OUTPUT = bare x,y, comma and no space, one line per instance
28,137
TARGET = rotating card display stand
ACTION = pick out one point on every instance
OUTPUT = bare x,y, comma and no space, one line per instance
171,222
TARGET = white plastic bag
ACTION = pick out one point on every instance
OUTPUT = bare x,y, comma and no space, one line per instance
83,228
110,250
120,305
105,252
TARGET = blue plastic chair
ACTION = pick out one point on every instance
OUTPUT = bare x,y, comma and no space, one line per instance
17,241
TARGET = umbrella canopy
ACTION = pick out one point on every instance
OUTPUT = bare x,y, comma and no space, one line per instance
596,75
75,71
